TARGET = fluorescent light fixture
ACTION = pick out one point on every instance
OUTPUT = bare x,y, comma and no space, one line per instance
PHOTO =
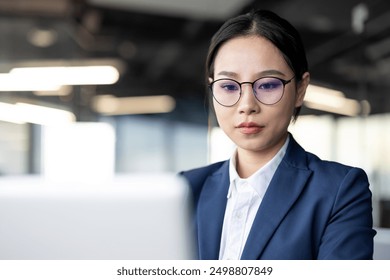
11,82
22,113
333,101
111,105
52,78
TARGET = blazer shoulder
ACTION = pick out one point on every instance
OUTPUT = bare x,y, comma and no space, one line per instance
331,167
299,158
324,172
197,177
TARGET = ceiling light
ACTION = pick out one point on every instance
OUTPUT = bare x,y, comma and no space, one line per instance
11,82
42,38
21,113
70,75
360,15
111,105
332,101
52,78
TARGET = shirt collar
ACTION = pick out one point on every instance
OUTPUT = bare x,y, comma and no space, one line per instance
262,177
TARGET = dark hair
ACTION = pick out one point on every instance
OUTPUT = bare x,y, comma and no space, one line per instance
270,26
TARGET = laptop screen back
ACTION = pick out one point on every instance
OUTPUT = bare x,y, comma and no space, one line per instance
141,216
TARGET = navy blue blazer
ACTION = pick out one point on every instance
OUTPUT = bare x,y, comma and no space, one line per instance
313,209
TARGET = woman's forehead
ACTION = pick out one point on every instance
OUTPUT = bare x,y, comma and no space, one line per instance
249,53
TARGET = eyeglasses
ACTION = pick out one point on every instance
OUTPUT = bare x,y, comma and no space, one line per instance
267,90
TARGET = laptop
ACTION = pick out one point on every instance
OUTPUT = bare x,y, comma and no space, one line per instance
140,216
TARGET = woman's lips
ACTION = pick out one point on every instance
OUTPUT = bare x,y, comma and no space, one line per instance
250,128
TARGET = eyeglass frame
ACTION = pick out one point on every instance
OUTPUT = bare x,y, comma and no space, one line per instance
284,82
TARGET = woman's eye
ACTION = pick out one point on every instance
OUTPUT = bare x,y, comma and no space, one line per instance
269,86
229,87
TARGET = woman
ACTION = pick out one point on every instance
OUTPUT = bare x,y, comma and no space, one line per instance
272,200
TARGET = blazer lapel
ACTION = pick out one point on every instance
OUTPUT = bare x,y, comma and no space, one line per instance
279,198
211,212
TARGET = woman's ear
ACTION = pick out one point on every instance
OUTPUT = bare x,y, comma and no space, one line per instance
301,89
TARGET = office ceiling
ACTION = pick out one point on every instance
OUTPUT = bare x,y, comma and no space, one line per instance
162,45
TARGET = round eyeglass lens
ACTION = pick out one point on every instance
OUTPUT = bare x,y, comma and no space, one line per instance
226,92
268,90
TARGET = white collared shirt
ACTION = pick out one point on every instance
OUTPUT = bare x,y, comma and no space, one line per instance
243,200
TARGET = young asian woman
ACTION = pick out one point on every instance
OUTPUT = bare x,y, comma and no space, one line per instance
272,199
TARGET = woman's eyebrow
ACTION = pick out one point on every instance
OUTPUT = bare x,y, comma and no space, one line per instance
259,74
228,74
271,72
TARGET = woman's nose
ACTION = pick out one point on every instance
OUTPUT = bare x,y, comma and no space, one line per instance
248,103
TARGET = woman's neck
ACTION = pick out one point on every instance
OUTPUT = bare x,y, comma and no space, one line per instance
248,162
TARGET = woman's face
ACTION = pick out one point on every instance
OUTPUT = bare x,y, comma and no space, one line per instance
251,125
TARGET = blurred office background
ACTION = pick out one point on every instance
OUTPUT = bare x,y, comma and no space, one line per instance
94,88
